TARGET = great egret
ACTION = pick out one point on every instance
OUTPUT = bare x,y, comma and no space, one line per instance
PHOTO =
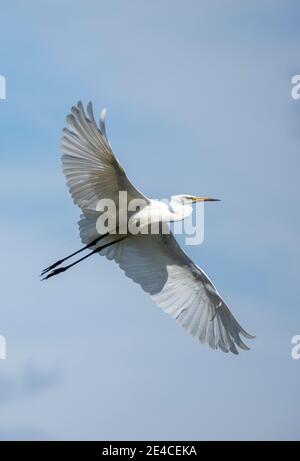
155,262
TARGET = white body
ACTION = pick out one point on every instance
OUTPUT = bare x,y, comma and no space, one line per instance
155,262
157,211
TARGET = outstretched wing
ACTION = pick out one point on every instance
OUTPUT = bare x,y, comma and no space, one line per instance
92,170
176,284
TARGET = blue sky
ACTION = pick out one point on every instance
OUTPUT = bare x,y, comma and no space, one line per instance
199,102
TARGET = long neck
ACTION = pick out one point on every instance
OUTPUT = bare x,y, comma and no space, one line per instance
179,211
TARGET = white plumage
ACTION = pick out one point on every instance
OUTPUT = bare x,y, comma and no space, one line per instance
155,262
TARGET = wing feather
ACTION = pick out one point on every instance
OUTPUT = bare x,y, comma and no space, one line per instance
159,265
92,170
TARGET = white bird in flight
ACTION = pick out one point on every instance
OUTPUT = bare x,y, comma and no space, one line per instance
155,261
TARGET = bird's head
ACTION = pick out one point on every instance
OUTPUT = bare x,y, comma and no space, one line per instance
189,199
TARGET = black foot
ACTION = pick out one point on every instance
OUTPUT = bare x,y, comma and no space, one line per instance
51,267
55,272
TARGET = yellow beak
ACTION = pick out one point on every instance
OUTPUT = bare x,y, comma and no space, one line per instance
206,199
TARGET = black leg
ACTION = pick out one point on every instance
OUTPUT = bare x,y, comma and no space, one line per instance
96,250
57,263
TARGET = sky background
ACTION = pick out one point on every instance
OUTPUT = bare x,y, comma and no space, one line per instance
199,102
